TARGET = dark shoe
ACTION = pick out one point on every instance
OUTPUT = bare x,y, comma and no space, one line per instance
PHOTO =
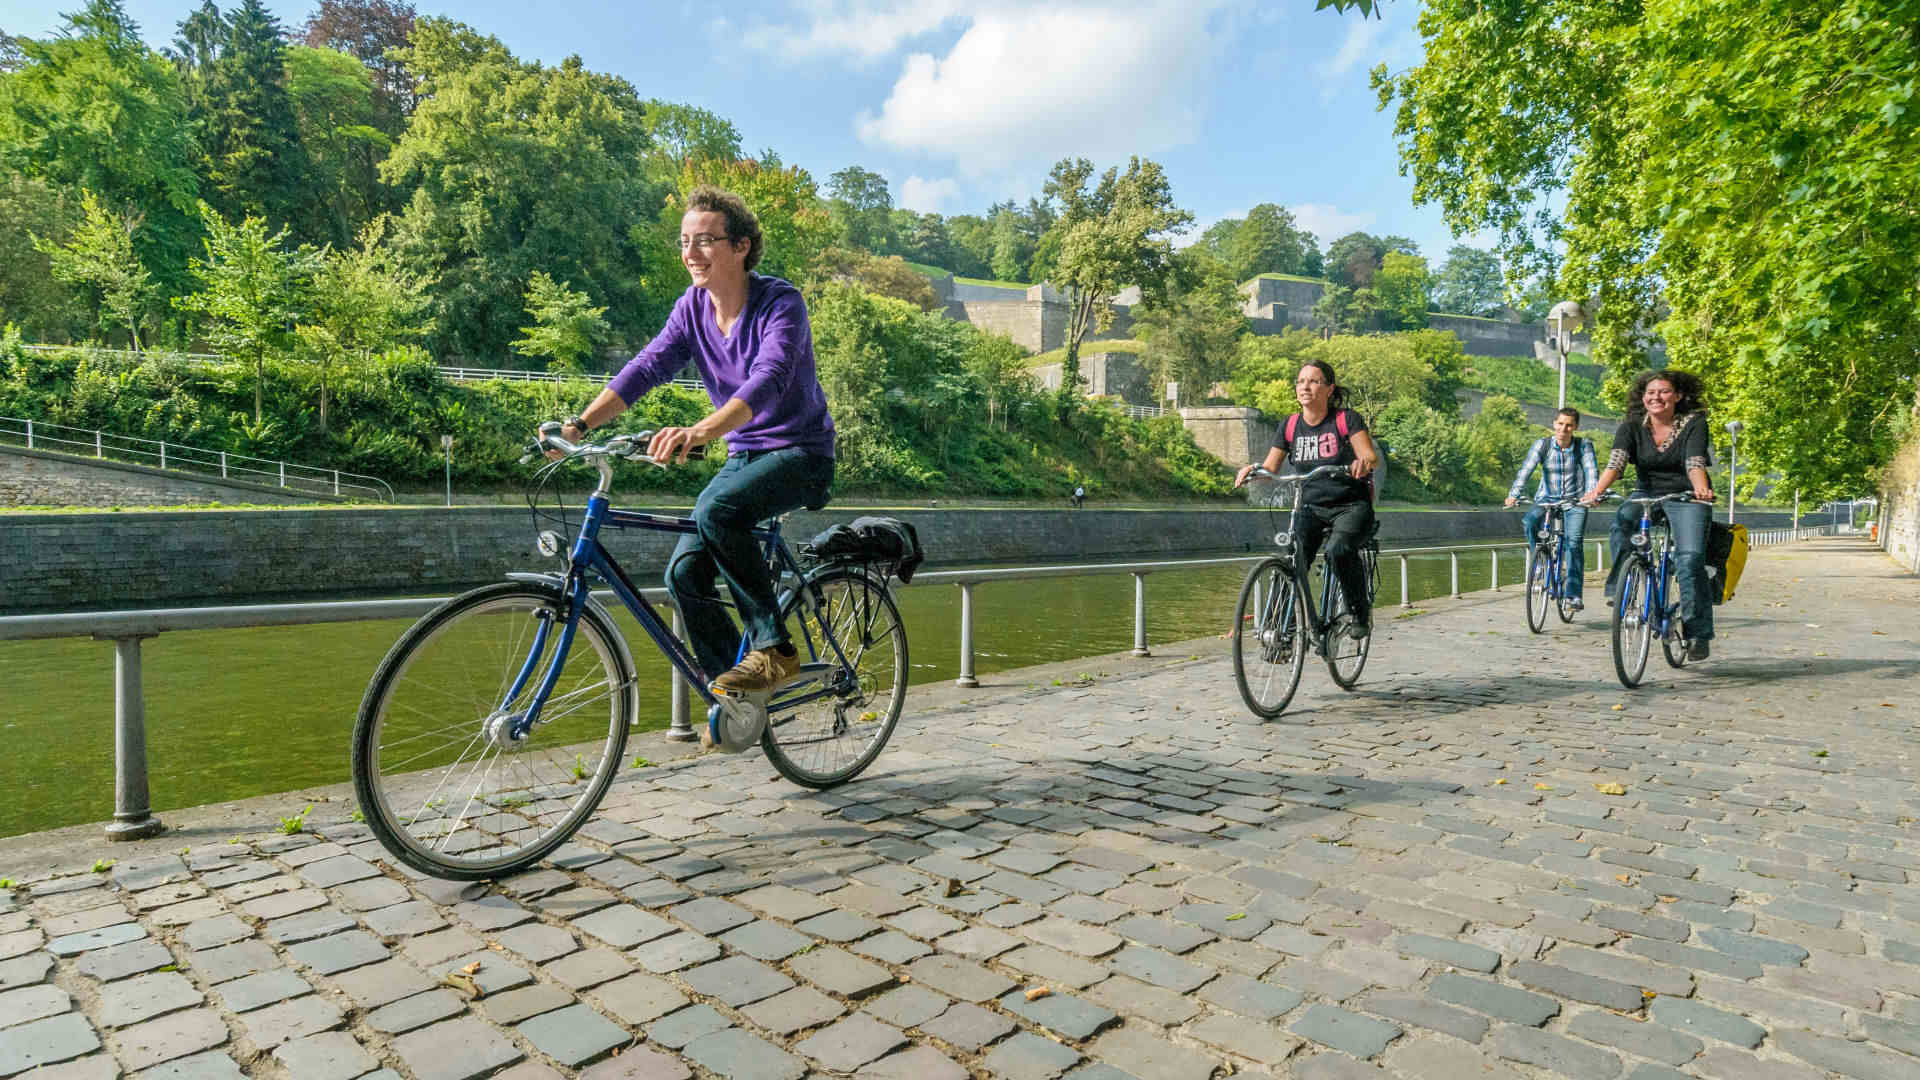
1698,650
1359,629
1575,605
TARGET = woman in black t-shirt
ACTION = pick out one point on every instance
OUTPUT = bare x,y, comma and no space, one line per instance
1334,509
1665,439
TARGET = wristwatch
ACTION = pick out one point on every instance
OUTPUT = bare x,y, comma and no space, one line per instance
577,423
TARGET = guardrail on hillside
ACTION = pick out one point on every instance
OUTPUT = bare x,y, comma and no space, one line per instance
174,457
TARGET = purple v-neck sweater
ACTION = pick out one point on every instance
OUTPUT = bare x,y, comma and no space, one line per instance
767,363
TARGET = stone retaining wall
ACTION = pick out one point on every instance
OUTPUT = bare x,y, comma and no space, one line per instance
34,478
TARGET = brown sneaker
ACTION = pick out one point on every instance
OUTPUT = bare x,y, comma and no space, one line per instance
761,671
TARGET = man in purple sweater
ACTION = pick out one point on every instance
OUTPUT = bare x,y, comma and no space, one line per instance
747,335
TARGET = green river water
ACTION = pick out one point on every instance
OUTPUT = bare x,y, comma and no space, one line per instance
238,713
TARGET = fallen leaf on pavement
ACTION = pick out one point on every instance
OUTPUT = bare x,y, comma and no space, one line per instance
1037,992
1624,879
1502,780
471,968
1610,789
1543,787
462,983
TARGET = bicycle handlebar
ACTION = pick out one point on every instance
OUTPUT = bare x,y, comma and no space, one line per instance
1651,500
630,447
1298,478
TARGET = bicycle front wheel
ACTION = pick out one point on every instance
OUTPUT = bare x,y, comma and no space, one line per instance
1674,642
844,619
1346,656
441,780
1537,590
1269,639
1632,622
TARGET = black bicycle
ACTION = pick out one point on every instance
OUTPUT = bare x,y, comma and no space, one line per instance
1276,623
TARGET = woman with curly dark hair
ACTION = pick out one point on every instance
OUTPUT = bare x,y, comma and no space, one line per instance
1664,437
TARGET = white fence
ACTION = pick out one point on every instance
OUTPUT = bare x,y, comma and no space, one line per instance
454,372
306,479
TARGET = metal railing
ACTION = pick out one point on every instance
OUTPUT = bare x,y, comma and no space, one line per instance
174,457
1143,412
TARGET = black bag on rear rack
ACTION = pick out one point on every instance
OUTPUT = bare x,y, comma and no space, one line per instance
875,542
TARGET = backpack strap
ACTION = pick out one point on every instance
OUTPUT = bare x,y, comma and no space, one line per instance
1340,422
1293,421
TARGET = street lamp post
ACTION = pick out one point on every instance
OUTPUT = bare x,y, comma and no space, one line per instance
1733,465
1566,317
446,444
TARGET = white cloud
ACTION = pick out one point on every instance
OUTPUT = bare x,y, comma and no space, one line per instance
924,195
864,29
1329,222
1357,48
1025,86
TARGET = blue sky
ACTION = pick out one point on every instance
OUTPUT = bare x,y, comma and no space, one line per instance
960,104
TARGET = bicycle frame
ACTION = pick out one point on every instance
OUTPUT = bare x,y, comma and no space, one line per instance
1658,553
1318,615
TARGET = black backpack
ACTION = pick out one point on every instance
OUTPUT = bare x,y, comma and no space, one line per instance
883,542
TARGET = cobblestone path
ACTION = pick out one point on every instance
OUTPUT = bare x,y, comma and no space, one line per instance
1422,880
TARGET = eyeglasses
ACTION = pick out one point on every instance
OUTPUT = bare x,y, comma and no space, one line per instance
703,241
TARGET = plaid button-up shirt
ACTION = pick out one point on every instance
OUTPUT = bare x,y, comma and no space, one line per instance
1565,473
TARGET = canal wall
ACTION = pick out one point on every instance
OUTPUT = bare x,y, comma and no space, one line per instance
104,561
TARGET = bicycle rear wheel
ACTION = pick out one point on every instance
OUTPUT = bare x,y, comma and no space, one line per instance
831,739
1673,643
441,782
1269,639
1632,622
1537,590
1346,656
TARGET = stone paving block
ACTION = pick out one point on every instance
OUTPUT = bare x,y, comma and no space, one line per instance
308,925
1349,1032
588,967
491,913
1493,999
1660,978
914,1063
1556,1053
523,1003
1061,1013
216,931
573,1035
669,954
491,972
32,968
1159,968
1133,998
282,904
1427,1058
1294,941
1146,1057
679,1028
1760,950
32,1003
624,926
710,915
416,1012
377,984
1644,1039
908,1006
851,1043
1459,954
331,1055
1575,985
959,978
766,940
211,1065
106,936
1686,956
1694,1018
1264,1043
145,997
1250,997
839,926
340,952
372,894
783,902
461,1049
171,1037
925,923
444,945
337,870
1054,967
276,1024
839,972
1315,979
1069,936
892,947
405,919
537,942
639,1063
739,1055
736,980
1333,1066
48,1040
1726,1063
1029,1057
967,1026
81,921
1004,915
96,1067
1898,1034
799,1008
979,943
261,989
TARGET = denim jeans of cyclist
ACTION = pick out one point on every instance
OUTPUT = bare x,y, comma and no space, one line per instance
1688,523
1344,528
1575,547
747,490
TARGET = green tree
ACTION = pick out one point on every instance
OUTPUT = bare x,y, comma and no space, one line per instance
566,327
1470,282
924,238
1114,233
1348,311
522,167
1737,175
679,132
252,290
334,107
972,246
32,300
372,32
862,208
94,109
1264,368
1498,438
1401,286
1193,332
100,256
250,149
363,302
1267,242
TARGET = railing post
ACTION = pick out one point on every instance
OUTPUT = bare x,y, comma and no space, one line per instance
163,453
1140,615
283,474
1404,602
966,637
96,445
223,464
336,481
681,727
29,434
1496,569
1453,561
1600,555
132,807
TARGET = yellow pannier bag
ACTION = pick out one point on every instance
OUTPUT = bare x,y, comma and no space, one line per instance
1727,549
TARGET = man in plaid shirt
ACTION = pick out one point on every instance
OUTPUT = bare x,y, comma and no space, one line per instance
1568,469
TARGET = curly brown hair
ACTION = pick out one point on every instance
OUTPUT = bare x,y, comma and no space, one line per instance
1692,394
741,222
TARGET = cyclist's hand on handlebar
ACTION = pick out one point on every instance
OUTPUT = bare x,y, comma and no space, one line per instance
1702,493
1360,468
1246,472
1511,500
671,445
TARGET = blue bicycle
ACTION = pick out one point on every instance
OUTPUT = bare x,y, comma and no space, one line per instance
1547,567
495,725
1647,599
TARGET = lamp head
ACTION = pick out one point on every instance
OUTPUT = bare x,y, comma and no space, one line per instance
446,442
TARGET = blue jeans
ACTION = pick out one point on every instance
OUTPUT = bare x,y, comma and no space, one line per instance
1688,524
1573,550
748,489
